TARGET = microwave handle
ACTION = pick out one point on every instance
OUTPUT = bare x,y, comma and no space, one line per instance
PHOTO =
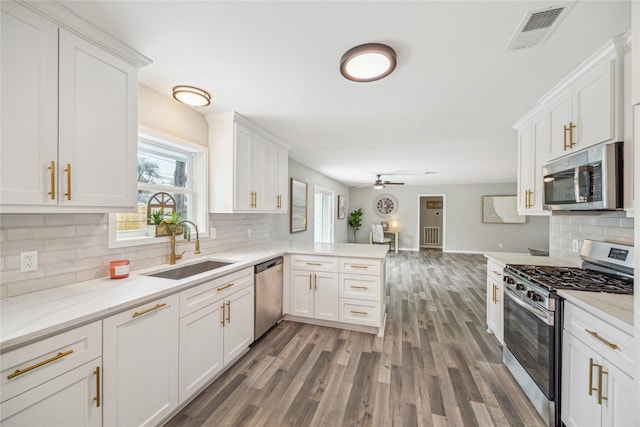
582,174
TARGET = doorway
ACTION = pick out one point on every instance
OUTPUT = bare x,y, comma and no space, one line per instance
431,221
323,215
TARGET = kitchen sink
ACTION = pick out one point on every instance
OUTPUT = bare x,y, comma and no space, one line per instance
189,270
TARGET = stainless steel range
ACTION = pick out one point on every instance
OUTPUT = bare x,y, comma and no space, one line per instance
533,316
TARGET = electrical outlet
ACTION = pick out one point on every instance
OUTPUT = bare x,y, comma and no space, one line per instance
212,232
574,246
28,261
249,233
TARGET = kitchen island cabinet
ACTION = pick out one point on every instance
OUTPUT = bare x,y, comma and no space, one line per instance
69,116
140,359
314,287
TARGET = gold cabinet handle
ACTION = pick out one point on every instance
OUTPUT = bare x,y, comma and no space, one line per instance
60,355
565,138
601,372
228,312
140,313
52,168
279,201
359,312
571,127
591,366
222,288
359,266
359,287
497,273
310,288
607,342
97,398
68,171
222,310
315,282
313,263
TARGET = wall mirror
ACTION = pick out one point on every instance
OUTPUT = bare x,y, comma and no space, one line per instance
298,206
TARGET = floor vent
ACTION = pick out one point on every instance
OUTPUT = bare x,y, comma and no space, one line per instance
431,236
537,25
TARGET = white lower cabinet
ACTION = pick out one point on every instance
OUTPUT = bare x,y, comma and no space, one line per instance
216,328
596,391
314,294
495,313
140,363
54,382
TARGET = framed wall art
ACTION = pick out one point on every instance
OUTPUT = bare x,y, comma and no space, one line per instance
501,210
298,206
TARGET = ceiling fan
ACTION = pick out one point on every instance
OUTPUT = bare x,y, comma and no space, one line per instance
380,184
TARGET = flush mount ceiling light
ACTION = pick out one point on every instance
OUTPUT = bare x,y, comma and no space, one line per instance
192,96
368,62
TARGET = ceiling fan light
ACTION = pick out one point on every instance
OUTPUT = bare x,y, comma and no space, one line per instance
368,62
193,96
378,186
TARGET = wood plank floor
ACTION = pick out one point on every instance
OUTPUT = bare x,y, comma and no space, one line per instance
435,366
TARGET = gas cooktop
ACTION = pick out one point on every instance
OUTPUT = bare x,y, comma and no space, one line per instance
574,278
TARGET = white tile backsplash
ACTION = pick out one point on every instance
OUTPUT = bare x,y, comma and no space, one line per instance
609,227
74,247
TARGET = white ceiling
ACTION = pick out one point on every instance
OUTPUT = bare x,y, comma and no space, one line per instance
448,106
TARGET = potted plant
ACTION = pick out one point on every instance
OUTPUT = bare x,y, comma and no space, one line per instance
170,222
355,222
154,221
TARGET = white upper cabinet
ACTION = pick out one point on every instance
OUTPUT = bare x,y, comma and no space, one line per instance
533,140
69,117
249,167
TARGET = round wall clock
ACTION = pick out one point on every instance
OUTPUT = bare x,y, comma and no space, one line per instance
385,205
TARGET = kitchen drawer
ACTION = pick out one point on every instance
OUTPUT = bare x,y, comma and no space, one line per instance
360,266
359,312
314,263
585,326
360,286
495,270
200,296
49,358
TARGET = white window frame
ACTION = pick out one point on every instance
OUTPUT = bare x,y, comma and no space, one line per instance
198,183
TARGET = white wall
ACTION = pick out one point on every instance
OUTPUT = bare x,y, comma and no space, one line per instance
464,230
302,173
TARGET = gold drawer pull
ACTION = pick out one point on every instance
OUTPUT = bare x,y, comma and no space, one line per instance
359,312
68,171
595,335
136,314
497,273
359,287
37,365
313,263
359,266
222,288
97,398
52,168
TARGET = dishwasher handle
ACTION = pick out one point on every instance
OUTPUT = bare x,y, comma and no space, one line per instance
259,268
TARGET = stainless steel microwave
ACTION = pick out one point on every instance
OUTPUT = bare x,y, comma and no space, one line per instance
590,179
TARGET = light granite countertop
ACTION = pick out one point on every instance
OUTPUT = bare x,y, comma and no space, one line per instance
30,317
612,308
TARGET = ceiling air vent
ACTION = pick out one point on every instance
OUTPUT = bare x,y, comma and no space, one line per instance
537,25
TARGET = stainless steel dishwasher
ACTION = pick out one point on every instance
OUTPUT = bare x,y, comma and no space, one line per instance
268,296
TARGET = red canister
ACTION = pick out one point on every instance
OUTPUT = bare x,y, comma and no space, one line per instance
119,268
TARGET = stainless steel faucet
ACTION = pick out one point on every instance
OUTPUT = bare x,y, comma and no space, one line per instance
173,257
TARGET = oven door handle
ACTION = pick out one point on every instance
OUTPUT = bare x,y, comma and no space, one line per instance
536,312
